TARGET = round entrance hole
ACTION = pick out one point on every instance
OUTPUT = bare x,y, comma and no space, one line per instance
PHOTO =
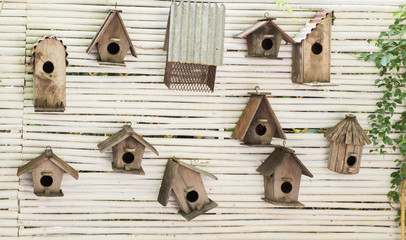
46,181
317,48
260,129
351,161
48,67
113,48
192,196
286,187
267,44
128,157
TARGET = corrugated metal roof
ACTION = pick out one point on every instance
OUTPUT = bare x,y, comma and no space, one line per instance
317,19
196,33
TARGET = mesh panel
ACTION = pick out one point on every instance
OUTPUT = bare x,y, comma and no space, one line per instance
190,76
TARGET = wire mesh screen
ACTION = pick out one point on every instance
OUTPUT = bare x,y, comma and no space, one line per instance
190,76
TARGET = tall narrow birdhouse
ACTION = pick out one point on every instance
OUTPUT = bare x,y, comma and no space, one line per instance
49,63
311,55
47,172
185,182
348,140
282,172
194,43
112,41
128,150
258,123
264,38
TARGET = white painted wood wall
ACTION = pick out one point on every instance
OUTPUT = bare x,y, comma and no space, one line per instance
105,205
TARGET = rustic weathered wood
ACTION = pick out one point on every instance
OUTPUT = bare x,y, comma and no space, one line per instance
49,63
112,40
297,66
196,213
258,123
167,181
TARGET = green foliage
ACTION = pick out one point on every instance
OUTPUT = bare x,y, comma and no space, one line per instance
386,132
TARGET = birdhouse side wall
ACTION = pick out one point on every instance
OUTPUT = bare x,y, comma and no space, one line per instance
287,178
264,42
345,158
49,76
317,53
297,65
114,35
255,133
47,168
125,150
186,182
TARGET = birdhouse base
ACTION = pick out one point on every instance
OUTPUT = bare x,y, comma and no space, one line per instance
112,64
42,194
196,213
296,204
262,56
49,109
132,171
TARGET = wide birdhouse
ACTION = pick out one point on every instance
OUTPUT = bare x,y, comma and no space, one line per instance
47,172
185,182
128,150
264,38
311,55
49,63
194,43
282,172
348,140
258,123
112,41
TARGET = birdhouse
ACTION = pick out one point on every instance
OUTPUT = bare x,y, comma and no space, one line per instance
128,150
258,123
348,140
264,38
187,186
47,172
194,43
282,172
112,41
311,55
49,63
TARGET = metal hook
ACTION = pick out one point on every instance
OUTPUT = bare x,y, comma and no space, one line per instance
284,143
48,148
128,123
266,14
115,6
256,88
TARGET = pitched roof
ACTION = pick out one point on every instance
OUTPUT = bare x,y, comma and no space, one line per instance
248,115
276,158
262,23
348,131
317,19
38,42
124,133
167,181
48,155
113,13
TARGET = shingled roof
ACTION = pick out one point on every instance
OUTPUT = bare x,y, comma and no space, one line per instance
38,42
317,19
348,131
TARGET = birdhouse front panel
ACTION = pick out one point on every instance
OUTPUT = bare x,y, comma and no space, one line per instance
47,179
49,76
262,127
264,42
128,154
345,158
283,185
189,190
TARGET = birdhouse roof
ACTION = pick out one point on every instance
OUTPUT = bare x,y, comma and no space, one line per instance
317,19
113,13
276,158
48,155
167,181
33,51
262,23
348,131
248,116
123,134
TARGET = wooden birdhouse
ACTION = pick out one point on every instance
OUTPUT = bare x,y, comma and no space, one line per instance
185,182
128,150
112,41
311,55
258,123
49,63
194,42
348,140
282,172
47,172
264,38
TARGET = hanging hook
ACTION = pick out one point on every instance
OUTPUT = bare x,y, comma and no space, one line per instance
266,14
128,123
115,6
284,143
48,148
256,88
